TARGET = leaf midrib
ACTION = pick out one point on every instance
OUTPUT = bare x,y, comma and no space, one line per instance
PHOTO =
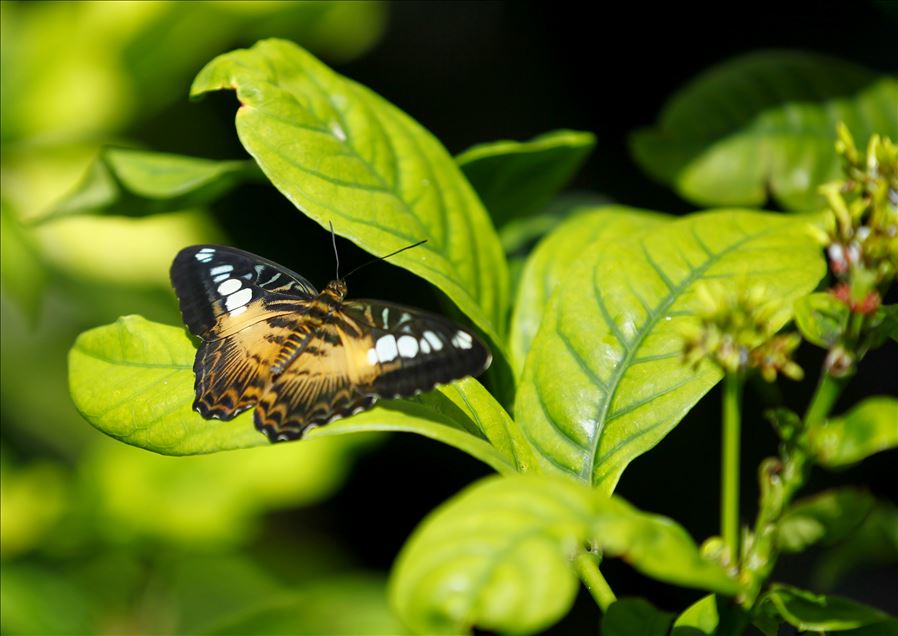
635,344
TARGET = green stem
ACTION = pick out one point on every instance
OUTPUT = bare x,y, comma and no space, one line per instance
729,505
588,570
824,399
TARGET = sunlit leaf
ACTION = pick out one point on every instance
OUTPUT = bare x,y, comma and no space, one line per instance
827,517
821,318
808,611
868,428
604,380
133,380
764,124
499,555
573,241
515,179
629,616
131,182
343,154
349,605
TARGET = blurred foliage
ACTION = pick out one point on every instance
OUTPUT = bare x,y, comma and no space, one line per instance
95,536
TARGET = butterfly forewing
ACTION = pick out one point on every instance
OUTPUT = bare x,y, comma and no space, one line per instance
222,289
270,340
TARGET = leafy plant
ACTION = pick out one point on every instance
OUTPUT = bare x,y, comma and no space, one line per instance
624,319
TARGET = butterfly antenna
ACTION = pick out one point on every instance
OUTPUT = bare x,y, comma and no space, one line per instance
380,258
336,254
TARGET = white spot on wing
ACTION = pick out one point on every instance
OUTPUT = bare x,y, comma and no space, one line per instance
434,340
238,311
372,356
386,348
462,340
221,269
408,346
238,299
220,278
229,286
425,347
385,315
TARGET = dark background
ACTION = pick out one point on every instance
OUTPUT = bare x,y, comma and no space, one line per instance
474,72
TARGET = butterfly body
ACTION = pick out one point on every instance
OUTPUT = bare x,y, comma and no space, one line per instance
300,357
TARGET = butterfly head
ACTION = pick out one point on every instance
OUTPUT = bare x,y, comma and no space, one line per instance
336,289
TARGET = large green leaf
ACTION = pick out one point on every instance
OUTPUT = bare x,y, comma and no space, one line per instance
515,179
133,380
131,182
868,428
826,517
499,555
764,125
345,155
808,611
604,380
548,264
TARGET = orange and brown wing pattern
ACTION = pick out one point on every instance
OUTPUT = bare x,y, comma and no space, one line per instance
245,309
332,378
232,372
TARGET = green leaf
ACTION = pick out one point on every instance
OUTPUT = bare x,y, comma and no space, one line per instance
131,182
629,616
604,380
133,380
499,555
868,428
347,605
341,153
821,318
711,616
22,270
515,179
808,611
765,124
827,517
586,232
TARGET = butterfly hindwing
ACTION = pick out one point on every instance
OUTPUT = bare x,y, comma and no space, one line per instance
331,378
232,372
416,350
223,289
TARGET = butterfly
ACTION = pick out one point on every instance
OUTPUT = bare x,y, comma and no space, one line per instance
304,358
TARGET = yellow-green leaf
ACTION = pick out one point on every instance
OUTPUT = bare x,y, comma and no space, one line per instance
605,381
343,154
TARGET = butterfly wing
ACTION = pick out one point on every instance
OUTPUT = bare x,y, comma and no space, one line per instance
246,310
222,289
365,351
417,350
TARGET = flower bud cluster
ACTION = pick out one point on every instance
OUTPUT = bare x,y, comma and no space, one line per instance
861,230
737,331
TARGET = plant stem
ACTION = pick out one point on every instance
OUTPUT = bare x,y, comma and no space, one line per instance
824,399
729,505
588,570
